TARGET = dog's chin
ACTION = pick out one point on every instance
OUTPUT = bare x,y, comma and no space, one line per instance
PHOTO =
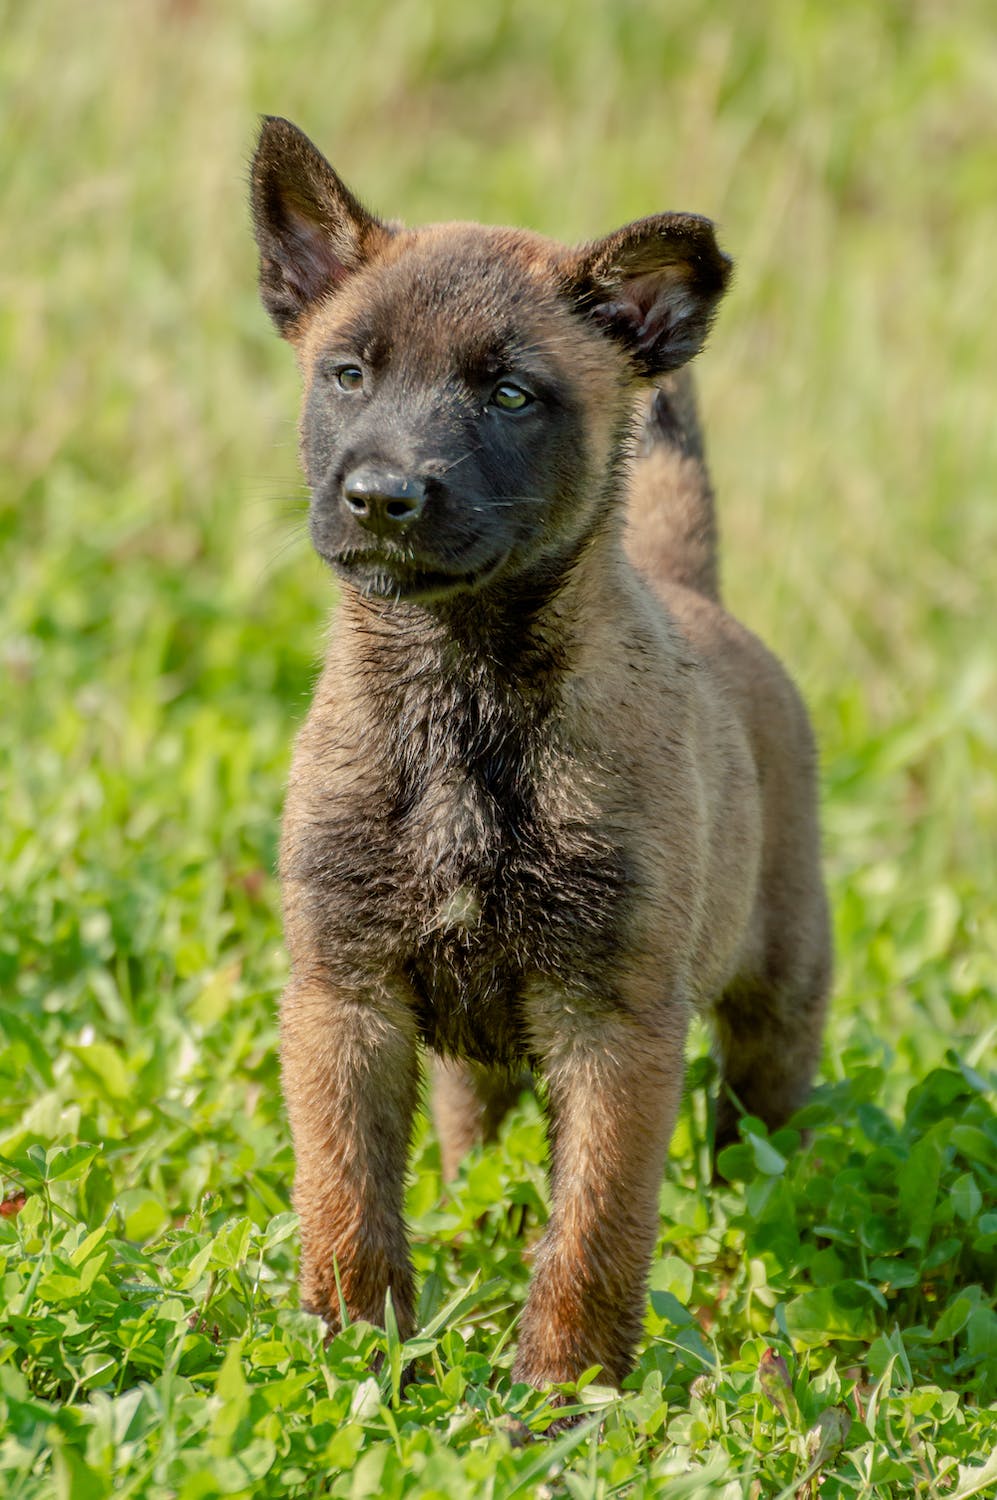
379,576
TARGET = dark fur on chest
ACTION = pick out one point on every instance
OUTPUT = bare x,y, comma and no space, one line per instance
470,864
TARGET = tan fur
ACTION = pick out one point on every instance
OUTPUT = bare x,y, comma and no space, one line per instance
539,833
469,1104
677,541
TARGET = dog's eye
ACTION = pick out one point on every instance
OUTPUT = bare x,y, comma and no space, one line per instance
349,377
509,397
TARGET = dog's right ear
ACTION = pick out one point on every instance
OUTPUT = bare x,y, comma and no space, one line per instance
311,232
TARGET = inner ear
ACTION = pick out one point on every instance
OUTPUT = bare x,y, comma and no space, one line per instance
309,266
312,233
654,287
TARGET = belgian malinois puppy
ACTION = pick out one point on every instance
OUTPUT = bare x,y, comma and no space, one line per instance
550,797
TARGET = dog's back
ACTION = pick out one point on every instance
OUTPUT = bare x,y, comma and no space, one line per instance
784,968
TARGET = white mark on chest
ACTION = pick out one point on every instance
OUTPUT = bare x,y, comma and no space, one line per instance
461,909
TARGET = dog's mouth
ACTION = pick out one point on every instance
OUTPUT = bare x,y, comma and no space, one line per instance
391,575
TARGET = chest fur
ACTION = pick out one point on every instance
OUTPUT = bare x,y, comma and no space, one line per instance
464,875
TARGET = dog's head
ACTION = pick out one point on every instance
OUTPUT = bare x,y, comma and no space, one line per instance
467,389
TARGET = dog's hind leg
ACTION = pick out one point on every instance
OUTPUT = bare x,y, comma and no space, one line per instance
470,1102
769,1019
768,1036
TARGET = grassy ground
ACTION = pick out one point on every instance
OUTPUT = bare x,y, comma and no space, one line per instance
159,623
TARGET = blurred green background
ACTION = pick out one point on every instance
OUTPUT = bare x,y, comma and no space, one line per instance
161,620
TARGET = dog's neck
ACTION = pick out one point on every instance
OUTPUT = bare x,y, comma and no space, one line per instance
520,635
515,640
472,694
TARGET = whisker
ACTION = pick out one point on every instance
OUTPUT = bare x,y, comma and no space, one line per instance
464,456
276,504
294,540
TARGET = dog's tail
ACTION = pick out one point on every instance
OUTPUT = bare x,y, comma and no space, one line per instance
672,526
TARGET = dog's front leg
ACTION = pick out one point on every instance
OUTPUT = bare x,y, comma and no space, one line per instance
350,1079
614,1086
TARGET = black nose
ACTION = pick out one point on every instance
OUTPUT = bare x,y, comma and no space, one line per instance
382,500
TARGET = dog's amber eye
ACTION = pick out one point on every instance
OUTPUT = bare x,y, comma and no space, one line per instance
509,397
349,378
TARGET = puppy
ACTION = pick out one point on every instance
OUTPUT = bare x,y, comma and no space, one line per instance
550,797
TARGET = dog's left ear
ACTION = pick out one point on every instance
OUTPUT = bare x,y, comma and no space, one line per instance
653,286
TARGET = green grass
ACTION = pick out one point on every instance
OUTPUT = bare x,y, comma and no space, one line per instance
160,623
